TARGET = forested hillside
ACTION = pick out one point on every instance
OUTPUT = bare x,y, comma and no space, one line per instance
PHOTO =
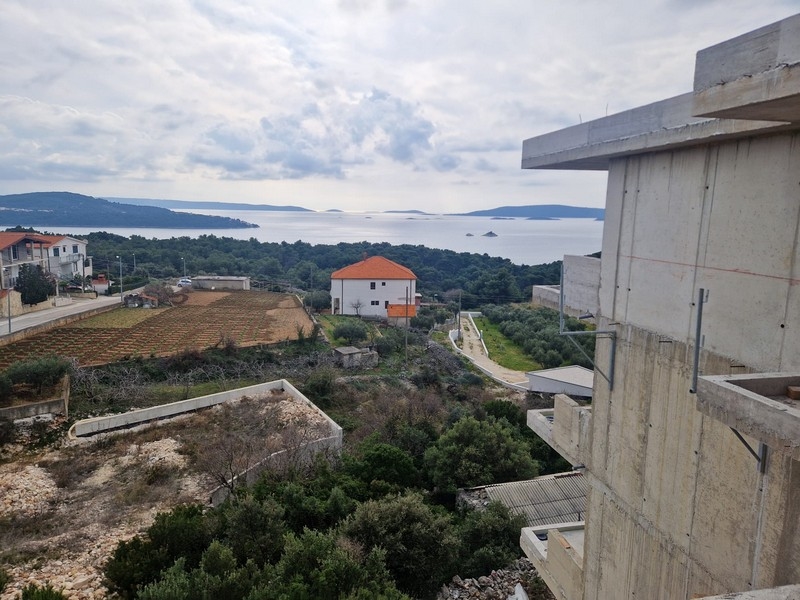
65,209
481,278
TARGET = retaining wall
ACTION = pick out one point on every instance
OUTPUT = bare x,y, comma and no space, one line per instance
65,320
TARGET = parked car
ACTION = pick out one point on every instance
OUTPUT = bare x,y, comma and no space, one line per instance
184,282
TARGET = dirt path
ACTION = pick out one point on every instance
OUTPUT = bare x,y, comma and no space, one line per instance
473,348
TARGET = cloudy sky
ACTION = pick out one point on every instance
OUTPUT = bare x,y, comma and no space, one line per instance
350,104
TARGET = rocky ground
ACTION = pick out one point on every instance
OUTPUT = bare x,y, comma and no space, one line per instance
506,584
64,509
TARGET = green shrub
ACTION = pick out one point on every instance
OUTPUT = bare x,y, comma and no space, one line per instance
476,452
34,592
419,542
5,579
351,331
319,387
489,539
40,372
181,533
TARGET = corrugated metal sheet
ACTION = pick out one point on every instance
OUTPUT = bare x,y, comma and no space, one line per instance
544,500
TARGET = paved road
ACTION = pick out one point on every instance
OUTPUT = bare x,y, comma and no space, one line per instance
473,347
18,323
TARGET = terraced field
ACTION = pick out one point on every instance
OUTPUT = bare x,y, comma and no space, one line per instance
200,319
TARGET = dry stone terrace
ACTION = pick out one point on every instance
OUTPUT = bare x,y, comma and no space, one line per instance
199,319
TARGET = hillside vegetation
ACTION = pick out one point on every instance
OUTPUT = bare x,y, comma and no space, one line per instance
65,209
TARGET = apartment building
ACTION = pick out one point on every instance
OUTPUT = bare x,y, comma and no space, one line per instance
692,446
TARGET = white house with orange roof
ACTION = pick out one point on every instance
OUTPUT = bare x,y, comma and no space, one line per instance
374,287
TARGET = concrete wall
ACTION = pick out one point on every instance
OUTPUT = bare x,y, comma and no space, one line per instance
582,283
549,296
678,507
32,409
571,428
349,291
218,282
29,331
719,217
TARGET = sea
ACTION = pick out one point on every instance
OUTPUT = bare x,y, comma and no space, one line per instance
522,241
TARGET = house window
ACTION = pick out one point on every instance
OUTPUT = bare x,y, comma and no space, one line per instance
56,251
386,304
14,253
372,285
383,283
374,302
75,248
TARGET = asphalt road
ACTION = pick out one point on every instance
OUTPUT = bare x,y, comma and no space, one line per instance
18,323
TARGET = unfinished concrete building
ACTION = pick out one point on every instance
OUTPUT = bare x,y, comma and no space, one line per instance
693,457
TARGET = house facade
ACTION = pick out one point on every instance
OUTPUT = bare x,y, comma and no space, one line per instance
370,287
17,249
692,446
67,258
63,256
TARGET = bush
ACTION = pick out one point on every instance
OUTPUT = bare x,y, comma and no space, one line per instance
41,372
318,299
419,542
34,592
181,533
476,452
351,331
5,579
319,387
385,463
489,539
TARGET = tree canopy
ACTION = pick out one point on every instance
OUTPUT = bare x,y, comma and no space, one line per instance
33,284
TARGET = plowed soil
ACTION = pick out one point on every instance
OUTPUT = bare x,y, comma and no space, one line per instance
198,319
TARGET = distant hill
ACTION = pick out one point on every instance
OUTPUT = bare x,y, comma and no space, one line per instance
186,204
65,209
540,212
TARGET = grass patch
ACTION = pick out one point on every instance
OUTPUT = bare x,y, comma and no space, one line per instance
502,350
120,318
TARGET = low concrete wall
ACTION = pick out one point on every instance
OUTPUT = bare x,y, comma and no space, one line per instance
24,411
566,566
34,409
303,453
88,427
571,426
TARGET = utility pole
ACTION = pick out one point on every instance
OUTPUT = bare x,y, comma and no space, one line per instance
406,339
120,279
8,293
459,314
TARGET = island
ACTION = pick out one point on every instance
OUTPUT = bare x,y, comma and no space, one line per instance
66,209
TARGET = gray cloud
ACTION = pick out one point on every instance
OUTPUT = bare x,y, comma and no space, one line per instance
364,97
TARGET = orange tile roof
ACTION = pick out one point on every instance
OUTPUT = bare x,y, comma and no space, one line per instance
12,238
399,310
374,267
